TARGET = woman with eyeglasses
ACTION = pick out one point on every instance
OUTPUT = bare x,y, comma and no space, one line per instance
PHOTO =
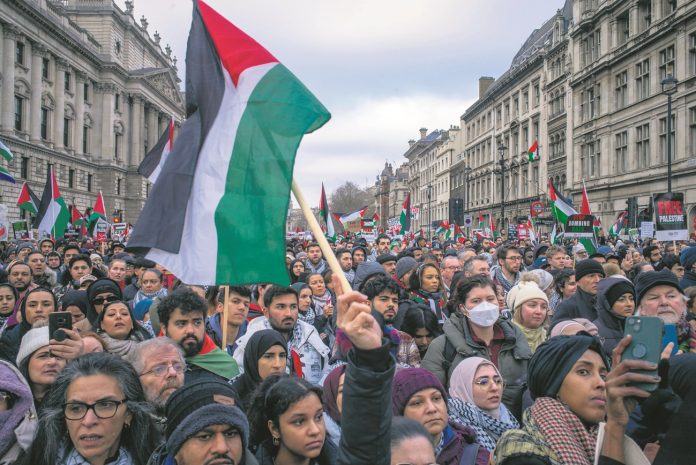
417,394
266,354
95,414
575,396
101,292
39,366
18,421
476,394
119,329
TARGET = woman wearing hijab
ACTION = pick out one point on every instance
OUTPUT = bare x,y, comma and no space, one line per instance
8,299
476,390
616,300
333,402
417,394
425,285
266,354
296,268
77,304
573,392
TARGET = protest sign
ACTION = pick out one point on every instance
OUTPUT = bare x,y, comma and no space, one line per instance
670,220
580,226
21,230
647,229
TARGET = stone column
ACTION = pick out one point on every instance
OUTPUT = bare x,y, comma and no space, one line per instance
105,93
152,129
38,53
80,79
11,34
136,140
163,122
59,112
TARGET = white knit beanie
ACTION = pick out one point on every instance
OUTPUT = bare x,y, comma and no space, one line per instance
527,291
32,341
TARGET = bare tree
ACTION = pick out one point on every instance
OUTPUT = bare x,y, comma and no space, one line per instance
348,198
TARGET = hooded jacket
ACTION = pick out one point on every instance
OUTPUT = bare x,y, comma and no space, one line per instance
512,361
609,324
579,305
306,344
364,271
21,419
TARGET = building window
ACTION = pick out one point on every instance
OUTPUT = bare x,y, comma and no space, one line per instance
118,186
537,95
623,25
44,68
66,132
85,139
643,146
590,103
525,101
590,48
621,166
19,113
692,130
643,79
667,62
663,138
85,92
19,53
68,77
117,101
71,178
590,160
24,170
692,53
668,7
89,183
644,14
621,92
44,123
117,145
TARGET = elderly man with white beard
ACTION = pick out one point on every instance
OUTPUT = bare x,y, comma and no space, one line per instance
658,294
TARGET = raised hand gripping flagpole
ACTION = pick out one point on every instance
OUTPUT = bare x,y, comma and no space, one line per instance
329,255
224,316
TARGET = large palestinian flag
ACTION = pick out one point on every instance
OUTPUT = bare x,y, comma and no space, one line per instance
53,215
217,213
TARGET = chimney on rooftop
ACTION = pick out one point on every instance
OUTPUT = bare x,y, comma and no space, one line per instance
484,83
423,133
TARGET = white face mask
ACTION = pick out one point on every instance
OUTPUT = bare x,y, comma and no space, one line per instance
484,314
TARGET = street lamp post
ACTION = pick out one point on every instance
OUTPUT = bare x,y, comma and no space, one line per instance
669,88
501,161
430,219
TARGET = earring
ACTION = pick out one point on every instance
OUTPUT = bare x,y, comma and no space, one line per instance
276,441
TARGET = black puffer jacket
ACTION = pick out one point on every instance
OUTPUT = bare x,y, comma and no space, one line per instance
579,305
609,324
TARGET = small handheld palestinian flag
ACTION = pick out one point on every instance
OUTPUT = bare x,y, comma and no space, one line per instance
406,215
533,151
27,200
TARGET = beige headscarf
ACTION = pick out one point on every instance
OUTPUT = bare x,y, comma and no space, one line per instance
462,381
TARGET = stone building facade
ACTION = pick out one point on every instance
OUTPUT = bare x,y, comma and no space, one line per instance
85,88
621,52
391,188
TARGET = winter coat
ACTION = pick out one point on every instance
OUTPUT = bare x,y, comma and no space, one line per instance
305,342
609,324
446,351
214,330
579,305
23,434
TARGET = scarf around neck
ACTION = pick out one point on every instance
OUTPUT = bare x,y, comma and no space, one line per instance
535,337
488,429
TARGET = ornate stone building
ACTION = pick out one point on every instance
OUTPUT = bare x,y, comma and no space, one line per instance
391,189
621,53
85,88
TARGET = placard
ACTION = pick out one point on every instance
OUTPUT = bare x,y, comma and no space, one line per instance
647,229
100,230
579,226
512,232
21,230
670,220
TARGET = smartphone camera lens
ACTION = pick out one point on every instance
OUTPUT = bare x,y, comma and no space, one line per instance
59,335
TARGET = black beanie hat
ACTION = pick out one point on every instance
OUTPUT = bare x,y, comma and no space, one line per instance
387,257
649,279
198,405
622,287
588,266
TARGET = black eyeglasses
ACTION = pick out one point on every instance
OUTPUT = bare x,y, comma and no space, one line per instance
108,299
103,409
163,369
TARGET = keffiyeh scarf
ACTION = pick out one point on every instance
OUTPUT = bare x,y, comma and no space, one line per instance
488,429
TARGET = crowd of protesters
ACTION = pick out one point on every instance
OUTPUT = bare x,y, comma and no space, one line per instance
466,352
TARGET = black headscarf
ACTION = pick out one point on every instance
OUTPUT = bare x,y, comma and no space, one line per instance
258,344
138,333
75,298
25,325
101,286
554,359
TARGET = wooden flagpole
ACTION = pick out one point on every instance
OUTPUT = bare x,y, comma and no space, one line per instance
223,319
326,251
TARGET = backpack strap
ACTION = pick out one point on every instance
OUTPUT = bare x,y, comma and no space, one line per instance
448,355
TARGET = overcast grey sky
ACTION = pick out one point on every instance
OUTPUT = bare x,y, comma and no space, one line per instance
383,68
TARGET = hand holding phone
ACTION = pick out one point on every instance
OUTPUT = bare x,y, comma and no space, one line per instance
57,322
646,344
